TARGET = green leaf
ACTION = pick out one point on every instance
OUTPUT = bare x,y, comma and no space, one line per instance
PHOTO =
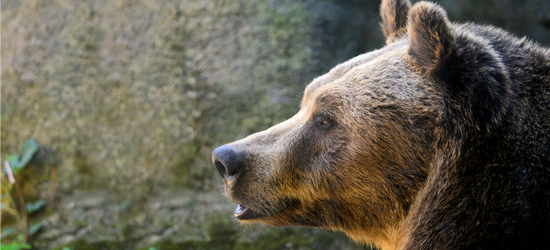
27,151
7,231
32,207
34,228
125,205
16,244
13,159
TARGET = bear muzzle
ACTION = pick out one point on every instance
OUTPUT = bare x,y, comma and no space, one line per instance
230,165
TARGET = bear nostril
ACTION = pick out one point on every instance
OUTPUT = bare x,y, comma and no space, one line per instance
227,161
221,168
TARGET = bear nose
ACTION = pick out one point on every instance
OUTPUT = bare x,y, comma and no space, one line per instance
227,161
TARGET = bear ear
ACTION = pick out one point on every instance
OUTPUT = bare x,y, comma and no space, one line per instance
432,45
394,18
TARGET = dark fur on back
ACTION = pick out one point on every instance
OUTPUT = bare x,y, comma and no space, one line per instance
489,184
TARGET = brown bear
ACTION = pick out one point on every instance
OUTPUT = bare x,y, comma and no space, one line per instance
439,140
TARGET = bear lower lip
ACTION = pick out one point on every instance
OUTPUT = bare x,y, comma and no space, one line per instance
244,213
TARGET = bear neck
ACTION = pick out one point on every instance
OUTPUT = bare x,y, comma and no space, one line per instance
487,178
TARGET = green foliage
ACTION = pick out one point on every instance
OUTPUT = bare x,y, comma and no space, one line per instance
16,163
35,228
8,231
16,244
32,207
28,150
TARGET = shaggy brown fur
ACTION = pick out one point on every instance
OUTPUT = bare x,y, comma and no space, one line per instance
439,140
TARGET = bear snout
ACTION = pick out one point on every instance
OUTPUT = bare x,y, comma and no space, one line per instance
228,162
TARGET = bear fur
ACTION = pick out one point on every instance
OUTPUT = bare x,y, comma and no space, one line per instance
439,140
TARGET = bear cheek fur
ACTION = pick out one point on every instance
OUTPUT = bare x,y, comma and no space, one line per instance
393,146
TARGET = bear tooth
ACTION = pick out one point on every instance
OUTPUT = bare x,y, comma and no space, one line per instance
239,209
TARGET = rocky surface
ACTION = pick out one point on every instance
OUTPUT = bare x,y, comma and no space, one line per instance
175,219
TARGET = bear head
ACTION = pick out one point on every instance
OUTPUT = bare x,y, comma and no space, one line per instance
357,153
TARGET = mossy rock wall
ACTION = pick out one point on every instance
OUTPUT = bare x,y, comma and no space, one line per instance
131,96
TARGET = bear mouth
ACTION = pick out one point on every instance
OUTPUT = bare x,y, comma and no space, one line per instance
244,213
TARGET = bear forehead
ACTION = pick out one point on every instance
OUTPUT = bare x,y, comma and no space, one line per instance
380,77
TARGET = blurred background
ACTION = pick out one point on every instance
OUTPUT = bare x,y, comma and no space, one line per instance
126,99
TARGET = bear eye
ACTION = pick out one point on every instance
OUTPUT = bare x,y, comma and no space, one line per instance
325,123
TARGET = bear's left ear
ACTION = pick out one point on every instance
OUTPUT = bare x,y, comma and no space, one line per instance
432,45
394,18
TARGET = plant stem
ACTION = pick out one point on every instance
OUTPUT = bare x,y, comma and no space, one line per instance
23,207
54,184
